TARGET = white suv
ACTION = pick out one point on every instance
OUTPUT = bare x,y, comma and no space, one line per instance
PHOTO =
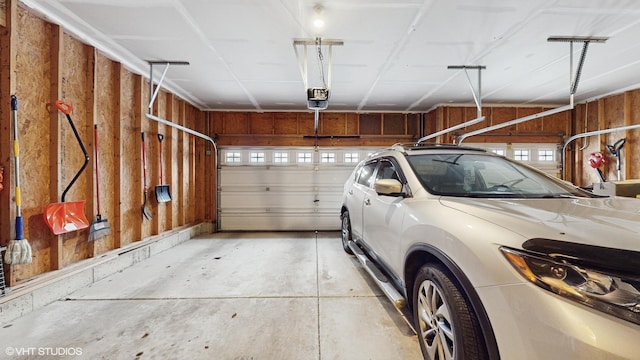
492,259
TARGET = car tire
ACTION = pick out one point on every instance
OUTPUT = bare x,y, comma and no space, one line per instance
346,232
446,324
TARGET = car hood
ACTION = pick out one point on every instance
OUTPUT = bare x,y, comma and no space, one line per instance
610,222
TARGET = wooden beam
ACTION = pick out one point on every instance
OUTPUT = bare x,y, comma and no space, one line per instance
118,115
55,145
140,105
4,13
183,140
7,88
602,124
92,109
627,160
167,150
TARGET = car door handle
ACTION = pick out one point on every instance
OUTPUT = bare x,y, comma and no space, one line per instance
367,201
351,192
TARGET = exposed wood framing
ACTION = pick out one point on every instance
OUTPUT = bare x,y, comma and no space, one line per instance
7,88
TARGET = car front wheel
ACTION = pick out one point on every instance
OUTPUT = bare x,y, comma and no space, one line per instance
447,326
346,232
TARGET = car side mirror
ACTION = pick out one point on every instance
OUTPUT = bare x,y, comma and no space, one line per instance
389,187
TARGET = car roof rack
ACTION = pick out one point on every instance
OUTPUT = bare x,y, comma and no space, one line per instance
405,148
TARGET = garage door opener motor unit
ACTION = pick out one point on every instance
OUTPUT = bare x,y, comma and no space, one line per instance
317,98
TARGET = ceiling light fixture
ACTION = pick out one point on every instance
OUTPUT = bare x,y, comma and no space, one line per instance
318,18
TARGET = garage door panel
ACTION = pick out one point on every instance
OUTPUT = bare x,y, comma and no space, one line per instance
283,200
274,176
279,221
259,191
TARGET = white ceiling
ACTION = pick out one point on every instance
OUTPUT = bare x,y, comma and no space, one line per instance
395,53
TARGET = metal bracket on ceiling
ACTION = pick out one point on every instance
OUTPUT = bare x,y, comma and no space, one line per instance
585,40
574,79
477,98
153,94
313,102
303,60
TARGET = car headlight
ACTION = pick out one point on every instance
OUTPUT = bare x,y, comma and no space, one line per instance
615,294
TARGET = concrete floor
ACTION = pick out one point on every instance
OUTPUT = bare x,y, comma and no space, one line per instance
247,296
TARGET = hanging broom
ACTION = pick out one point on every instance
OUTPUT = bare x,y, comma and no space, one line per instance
99,228
18,250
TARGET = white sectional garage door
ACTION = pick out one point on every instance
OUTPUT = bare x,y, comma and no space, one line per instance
282,189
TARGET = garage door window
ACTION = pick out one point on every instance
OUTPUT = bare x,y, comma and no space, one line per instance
545,155
351,158
257,157
232,157
281,158
328,158
521,155
305,158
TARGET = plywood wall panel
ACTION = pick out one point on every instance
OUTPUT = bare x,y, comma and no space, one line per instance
453,116
532,126
261,123
555,124
176,177
614,111
48,64
394,124
161,207
501,115
370,124
285,124
77,89
614,117
236,123
632,153
430,122
3,13
150,131
472,113
333,124
352,124
595,111
107,98
130,162
306,123
33,92
198,205
190,186
7,88
413,124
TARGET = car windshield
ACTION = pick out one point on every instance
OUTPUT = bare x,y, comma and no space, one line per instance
487,176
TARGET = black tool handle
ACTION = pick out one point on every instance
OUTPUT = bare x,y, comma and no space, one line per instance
66,109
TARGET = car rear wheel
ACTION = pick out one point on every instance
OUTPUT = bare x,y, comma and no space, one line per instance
346,232
447,326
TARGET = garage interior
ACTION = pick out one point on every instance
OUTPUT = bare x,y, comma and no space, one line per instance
253,165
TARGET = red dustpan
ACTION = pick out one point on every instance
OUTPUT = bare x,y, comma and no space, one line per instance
64,217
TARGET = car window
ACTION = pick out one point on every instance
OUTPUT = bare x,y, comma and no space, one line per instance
387,170
365,174
485,175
